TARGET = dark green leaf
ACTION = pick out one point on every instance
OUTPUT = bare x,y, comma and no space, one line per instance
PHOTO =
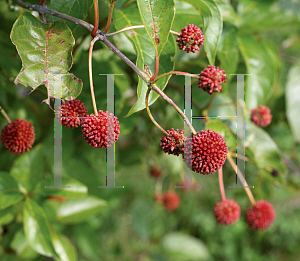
37,229
292,96
28,168
157,16
46,56
80,209
9,192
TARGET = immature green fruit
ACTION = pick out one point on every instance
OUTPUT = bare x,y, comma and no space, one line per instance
18,136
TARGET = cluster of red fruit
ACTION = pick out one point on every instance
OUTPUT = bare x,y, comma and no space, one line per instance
18,136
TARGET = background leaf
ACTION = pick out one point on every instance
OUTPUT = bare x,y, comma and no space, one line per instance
63,247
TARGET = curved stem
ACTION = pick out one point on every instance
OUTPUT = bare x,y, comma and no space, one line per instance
96,24
162,94
242,179
125,29
91,74
111,9
175,72
173,32
150,115
221,183
156,67
5,115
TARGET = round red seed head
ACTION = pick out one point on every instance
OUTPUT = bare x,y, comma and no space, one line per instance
171,200
72,110
155,171
173,143
207,152
261,116
18,136
211,79
227,212
261,215
94,129
190,38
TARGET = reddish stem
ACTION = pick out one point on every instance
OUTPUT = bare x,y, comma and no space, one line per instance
96,24
221,183
156,67
111,9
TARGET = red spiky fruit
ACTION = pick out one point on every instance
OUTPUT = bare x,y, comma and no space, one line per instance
207,151
71,111
261,215
261,116
95,131
211,79
171,200
190,38
155,171
227,212
173,143
18,136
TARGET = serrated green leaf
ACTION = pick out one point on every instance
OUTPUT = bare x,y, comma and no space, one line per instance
28,168
157,16
292,97
130,16
9,192
37,229
45,51
74,8
80,209
262,61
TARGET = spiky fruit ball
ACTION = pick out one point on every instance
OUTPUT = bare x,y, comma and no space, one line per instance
211,79
227,212
261,116
190,38
72,110
95,131
18,136
155,171
171,200
173,143
207,151
261,215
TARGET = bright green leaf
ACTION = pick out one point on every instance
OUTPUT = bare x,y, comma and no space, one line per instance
262,61
46,56
157,16
80,209
9,192
292,96
37,229
28,168
64,248
227,11
6,215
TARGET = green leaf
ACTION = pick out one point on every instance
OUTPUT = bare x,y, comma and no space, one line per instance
221,128
265,151
80,209
157,16
75,8
227,11
37,229
77,189
292,97
63,247
9,192
179,246
45,51
6,216
28,168
213,25
262,61
130,16
228,52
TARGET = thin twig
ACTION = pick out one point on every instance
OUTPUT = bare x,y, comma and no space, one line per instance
125,29
111,9
96,24
173,32
175,72
5,115
221,184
